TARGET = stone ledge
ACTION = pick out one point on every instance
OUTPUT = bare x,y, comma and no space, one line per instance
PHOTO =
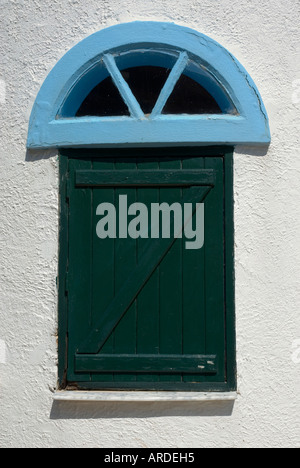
102,396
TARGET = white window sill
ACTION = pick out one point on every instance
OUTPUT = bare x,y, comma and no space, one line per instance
141,396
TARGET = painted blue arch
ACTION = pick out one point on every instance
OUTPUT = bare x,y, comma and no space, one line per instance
52,122
139,57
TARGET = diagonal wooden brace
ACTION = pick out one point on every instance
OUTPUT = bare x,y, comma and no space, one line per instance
153,255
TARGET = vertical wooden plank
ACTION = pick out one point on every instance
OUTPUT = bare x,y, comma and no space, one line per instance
63,271
214,268
103,263
171,284
178,283
194,312
231,371
125,262
148,299
80,265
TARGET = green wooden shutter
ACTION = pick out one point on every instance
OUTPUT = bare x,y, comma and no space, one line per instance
145,313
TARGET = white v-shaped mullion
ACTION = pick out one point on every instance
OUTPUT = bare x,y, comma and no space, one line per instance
125,91
170,84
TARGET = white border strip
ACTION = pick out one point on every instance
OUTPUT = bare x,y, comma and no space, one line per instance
142,396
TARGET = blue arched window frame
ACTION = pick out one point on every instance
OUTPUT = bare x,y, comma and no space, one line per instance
52,123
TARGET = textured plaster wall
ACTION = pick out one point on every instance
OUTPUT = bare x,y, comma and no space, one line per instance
265,37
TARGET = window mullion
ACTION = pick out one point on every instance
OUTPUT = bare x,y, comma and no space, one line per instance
124,90
171,82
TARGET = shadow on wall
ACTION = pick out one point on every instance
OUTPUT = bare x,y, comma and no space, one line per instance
252,151
38,155
109,410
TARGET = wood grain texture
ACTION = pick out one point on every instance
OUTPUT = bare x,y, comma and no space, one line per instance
142,301
146,178
147,363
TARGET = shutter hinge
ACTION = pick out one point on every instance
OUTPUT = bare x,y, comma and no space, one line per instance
67,283
67,189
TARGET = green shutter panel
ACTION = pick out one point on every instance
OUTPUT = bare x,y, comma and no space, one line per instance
145,313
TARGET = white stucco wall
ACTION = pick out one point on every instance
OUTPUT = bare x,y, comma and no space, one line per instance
265,37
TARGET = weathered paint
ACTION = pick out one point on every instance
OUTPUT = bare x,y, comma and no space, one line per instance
140,315
265,36
48,129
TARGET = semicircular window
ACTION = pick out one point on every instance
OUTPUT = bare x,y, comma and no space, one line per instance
105,100
147,85
189,97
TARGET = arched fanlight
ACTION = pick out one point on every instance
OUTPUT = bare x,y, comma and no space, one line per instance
148,83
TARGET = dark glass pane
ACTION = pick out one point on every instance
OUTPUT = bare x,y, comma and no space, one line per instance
103,101
189,97
146,84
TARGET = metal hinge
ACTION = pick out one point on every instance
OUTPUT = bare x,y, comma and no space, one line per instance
67,189
67,283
